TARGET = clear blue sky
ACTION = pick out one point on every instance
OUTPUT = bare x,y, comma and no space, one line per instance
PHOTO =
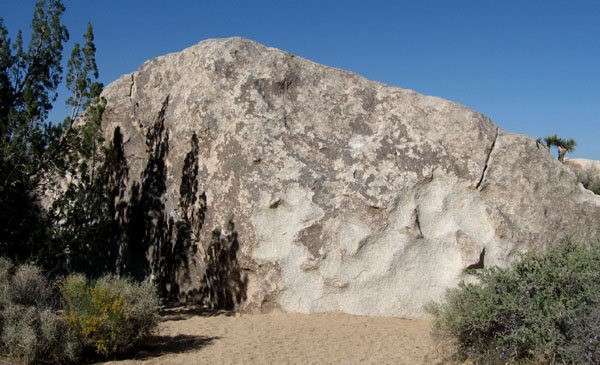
531,66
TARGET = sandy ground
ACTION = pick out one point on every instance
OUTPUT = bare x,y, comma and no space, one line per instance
188,336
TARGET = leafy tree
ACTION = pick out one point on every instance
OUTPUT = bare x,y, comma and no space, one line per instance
83,215
563,145
37,157
85,232
28,82
81,75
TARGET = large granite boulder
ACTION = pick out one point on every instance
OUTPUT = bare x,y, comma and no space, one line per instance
256,179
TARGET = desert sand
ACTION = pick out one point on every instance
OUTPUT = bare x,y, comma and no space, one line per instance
190,336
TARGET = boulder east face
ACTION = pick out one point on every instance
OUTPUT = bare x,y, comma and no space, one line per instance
258,180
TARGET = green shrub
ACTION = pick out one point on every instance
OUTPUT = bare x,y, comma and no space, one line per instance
543,308
593,185
35,335
584,348
5,269
109,315
19,336
29,287
30,329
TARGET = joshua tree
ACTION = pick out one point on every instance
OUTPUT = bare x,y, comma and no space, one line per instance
563,145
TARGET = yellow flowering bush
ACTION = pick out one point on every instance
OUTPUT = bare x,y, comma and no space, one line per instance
110,315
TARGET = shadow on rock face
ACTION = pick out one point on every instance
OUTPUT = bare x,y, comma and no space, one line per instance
165,245
224,284
147,227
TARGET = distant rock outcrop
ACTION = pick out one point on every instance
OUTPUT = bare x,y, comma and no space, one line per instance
256,179
587,171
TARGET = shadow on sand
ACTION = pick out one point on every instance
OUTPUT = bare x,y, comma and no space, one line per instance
181,313
157,346
154,346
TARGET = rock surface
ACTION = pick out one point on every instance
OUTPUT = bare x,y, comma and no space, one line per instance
256,179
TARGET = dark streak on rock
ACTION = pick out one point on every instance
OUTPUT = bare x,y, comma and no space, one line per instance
275,204
418,223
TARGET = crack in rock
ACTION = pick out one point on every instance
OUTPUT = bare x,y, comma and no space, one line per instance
131,85
487,160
